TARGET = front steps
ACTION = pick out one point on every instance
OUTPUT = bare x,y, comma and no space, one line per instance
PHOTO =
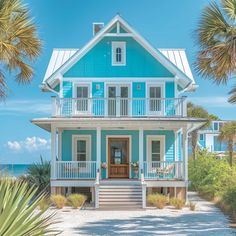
120,195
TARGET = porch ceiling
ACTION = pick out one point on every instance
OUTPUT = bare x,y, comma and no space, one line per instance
121,123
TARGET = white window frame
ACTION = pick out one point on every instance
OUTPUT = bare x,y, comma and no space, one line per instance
115,45
74,107
162,86
118,92
151,138
87,138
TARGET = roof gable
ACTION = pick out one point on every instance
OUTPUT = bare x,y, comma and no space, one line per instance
120,23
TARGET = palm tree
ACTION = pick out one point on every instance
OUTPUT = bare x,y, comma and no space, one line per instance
216,36
18,215
38,175
19,43
228,134
198,112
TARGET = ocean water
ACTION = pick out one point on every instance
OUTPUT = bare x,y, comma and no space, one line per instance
14,169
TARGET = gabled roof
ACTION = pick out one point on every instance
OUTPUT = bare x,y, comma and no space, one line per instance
174,60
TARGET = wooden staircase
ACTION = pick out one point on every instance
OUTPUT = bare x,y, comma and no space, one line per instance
120,194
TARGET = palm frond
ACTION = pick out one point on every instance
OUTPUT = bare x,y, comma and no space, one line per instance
229,6
232,98
19,43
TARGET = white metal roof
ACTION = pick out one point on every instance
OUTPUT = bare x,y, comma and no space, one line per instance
176,56
58,58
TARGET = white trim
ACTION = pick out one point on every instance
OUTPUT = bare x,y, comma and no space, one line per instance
122,46
160,138
130,150
154,52
126,79
87,138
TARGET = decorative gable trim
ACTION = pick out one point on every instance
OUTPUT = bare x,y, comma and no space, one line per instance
184,80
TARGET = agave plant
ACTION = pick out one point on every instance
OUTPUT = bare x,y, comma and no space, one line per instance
38,175
18,213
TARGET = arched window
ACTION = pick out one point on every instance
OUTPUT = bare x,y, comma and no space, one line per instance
118,54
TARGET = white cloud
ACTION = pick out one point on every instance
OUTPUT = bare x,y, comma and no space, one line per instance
29,144
26,106
212,101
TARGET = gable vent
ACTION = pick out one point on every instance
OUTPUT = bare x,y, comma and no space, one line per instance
97,26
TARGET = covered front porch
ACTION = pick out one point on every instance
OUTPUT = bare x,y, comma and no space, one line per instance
83,148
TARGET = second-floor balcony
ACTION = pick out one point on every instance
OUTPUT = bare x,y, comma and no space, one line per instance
119,107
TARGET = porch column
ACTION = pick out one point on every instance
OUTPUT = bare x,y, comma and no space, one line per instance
53,152
185,154
98,164
140,150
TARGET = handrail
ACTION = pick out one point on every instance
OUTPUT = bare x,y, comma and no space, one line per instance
119,107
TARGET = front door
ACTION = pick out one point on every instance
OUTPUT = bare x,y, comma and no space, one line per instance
118,158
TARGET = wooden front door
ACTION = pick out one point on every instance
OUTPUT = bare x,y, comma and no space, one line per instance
118,158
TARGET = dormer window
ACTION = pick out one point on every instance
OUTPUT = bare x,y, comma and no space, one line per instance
118,53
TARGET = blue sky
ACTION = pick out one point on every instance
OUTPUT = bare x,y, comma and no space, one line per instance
68,24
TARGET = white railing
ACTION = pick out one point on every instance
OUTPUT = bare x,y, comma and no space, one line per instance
119,107
164,170
76,169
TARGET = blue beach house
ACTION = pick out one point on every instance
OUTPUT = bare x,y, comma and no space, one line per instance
119,126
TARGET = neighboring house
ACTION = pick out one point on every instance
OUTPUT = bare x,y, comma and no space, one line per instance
119,101
208,138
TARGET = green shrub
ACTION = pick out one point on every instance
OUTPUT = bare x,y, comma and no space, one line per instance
58,201
157,200
44,204
177,203
229,197
76,200
210,176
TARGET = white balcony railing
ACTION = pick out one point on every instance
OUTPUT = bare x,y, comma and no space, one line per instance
76,169
119,107
163,170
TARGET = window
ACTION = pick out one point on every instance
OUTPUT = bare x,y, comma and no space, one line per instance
82,101
118,53
201,137
154,99
155,148
216,126
81,148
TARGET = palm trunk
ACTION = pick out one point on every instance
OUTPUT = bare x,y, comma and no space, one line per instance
194,143
231,149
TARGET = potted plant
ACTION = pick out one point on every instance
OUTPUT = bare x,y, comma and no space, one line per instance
135,167
104,165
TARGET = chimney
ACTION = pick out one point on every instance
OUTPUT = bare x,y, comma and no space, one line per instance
97,26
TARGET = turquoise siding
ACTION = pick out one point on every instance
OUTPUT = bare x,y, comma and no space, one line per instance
138,91
67,93
66,151
134,134
219,146
97,62
134,142
170,93
67,89
169,143
98,104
